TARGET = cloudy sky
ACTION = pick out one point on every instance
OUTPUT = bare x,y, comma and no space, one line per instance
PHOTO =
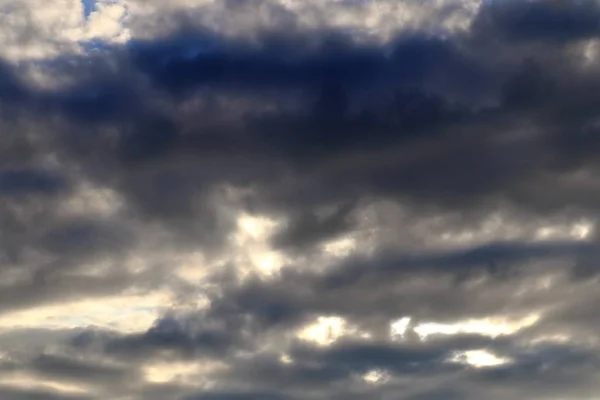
299,199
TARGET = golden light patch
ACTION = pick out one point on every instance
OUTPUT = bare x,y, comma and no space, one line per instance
577,231
127,314
193,267
552,338
491,327
326,330
494,227
255,227
267,262
591,49
375,377
286,359
251,246
181,372
479,358
398,328
25,382
89,200
581,230
340,247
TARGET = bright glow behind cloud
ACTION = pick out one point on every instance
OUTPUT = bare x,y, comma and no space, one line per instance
479,359
492,327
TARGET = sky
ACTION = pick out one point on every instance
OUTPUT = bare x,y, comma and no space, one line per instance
299,200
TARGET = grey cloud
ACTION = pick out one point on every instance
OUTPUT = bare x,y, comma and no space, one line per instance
20,182
312,126
236,396
438,287
77,371
50,285
555,21
23,394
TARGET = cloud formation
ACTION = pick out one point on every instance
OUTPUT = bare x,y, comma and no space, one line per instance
292,200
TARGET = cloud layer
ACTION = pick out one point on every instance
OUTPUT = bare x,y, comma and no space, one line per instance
292,200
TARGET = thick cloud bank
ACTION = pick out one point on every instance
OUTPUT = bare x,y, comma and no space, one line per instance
289,200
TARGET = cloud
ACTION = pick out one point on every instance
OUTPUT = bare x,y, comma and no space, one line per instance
298,200
18,394
537,20
16,182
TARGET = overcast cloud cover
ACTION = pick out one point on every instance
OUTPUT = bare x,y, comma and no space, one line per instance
299,199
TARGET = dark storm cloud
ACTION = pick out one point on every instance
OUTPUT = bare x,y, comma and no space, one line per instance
315,371
315,125
307,228
11,86
29,181
96,101
280,61
360,358
69,369
298,59
542,20
237,396
534,369
52,284
175,335
379,289
413,139
79,236
493,258
96,93
548,364
331,142
312,367
439,394
24,394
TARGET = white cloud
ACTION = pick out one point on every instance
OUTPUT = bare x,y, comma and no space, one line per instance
375,377
38,29
492,327
89,200
341,247
183,373
479,358
125,313
251,249
398,328
21,381
326,330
